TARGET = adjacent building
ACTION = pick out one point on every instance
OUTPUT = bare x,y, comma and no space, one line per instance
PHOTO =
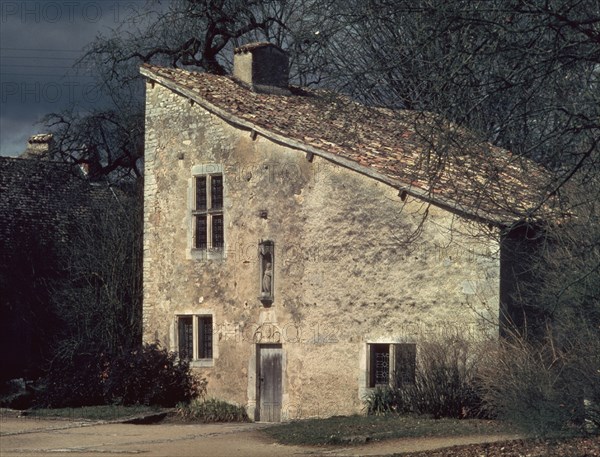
41,204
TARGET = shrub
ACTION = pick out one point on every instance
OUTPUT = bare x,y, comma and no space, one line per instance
74,382
147,375
212,410
446,384
387,400
544,387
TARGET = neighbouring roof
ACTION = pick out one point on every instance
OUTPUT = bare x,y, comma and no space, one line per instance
40,199
418,153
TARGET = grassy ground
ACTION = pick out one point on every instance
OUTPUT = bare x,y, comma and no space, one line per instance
106,412
359,429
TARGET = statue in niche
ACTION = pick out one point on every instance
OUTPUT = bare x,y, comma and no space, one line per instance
267,278
266,251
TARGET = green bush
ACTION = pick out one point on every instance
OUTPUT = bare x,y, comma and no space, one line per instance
446,384
387,400
212,410
147,375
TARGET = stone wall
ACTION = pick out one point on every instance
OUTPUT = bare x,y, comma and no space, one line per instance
354,263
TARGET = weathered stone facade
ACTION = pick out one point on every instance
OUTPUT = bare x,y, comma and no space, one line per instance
354,262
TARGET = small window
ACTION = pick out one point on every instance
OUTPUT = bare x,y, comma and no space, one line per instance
195,337
391,364
207,212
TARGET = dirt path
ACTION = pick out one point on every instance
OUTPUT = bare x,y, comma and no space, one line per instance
32,437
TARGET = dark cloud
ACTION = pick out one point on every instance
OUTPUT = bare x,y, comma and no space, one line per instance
41,41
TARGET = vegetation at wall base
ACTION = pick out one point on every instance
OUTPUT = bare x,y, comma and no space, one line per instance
445,384
211,410
545,387
146,375
548,386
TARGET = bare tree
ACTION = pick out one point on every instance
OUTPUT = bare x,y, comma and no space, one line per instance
108,141
523,74
99,301
194,34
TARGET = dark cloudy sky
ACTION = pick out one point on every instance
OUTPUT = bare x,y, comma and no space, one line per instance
39,42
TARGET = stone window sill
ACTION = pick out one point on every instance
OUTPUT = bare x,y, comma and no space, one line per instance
208,254
202,363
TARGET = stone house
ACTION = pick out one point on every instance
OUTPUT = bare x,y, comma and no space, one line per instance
298,245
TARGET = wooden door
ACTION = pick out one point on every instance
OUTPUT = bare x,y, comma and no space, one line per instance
269,382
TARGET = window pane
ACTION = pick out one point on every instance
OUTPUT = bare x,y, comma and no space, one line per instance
201,232
217,231
379,365
205,339
216,192
186,337
201,193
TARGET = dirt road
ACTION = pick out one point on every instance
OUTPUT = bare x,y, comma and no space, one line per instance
33,437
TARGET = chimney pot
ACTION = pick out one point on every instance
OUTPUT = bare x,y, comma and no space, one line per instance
41,146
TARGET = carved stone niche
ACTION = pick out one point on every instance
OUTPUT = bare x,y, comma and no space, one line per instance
266,257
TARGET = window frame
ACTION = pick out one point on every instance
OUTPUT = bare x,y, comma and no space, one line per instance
206,250
399,372
198,336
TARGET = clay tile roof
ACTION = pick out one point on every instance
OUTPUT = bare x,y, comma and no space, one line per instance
43,198
417,152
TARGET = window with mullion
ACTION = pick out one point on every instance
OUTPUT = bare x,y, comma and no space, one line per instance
195,337
391,363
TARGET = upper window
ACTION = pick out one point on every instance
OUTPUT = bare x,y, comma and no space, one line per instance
391,364
207,212
195,337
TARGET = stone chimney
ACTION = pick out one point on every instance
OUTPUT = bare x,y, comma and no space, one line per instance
40,146
263,67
